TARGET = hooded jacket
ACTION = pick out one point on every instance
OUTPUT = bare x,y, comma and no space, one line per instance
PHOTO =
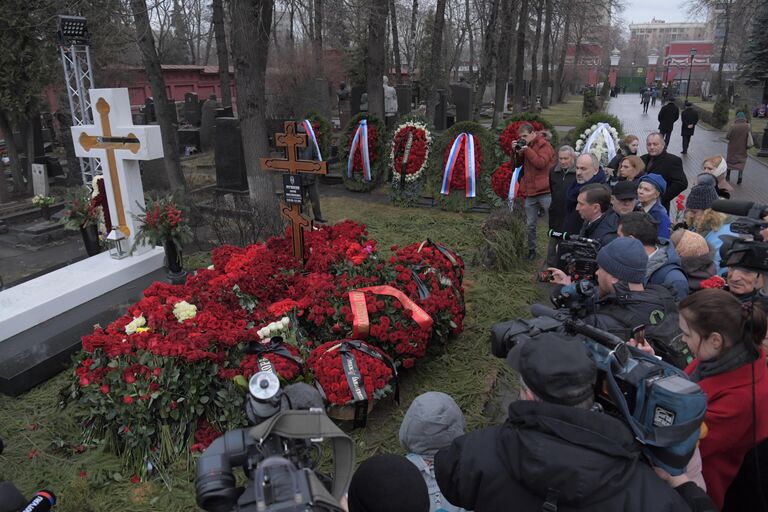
572,458
698,269
664,268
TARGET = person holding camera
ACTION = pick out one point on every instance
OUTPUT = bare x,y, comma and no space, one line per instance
663,262
537,157
594,207
725,337
554,452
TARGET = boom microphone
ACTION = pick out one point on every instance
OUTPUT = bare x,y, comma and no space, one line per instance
740,208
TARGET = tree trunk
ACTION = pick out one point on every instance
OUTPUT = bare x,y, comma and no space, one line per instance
489,52
377,35
719,83
468,22
545,79
317,42
395,42
434,75
146,42
29,138
560,83
412,44
251,25
522,26
13,154
534,63
502,63
222,53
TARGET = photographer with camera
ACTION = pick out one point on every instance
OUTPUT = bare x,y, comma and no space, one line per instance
725,335
594,207
537,156
554,452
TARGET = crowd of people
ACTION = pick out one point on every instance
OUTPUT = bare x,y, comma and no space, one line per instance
665,271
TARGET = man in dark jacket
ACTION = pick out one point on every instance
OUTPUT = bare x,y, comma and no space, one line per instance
588,171
561,176
658,161
690,118
537,156
309,185
553,452
594,206
668,114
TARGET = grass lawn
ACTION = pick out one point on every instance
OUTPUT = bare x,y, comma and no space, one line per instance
42,439
758,124
564,114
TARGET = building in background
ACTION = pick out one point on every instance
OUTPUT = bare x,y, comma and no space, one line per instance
658,33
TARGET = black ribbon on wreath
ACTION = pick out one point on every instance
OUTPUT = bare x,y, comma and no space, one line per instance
274,346
451,256
355,382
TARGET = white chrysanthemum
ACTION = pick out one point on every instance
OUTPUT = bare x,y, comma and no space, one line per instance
184,311
138,321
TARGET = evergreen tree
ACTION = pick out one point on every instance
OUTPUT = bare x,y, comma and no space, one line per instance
755,60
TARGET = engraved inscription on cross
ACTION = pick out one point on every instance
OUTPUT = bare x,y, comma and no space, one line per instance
119,144
291,140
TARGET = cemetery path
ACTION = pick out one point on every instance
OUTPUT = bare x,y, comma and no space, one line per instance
704,143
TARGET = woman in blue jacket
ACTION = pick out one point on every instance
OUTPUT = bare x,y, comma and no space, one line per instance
651,188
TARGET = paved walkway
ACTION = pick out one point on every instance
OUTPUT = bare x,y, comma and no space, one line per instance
704,143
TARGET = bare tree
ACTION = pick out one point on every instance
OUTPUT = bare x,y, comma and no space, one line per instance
545,59
377,35
395,41
534,55
222,52
434,75
146,42
317,40
522,27
560,82
502,62
467,20
489,50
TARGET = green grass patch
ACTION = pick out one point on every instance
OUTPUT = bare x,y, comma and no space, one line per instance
43,440
564,114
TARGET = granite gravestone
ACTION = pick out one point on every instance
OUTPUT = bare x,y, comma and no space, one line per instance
441,110
462,98
192,111
224,112
207,122
355,98
228,155
403,99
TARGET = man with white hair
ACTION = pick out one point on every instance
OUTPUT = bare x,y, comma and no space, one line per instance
588,171
669,166
561,176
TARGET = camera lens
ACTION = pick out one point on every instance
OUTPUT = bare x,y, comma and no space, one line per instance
215,489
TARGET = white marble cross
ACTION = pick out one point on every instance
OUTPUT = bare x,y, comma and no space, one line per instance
119,144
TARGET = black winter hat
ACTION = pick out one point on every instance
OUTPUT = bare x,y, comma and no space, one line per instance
701,197
388,483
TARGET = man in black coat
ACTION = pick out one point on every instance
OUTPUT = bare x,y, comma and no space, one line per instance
553,452
658,161
561,176
601,223
668,114
690,118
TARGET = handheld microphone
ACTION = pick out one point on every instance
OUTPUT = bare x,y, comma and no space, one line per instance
42,502
564,235
740,208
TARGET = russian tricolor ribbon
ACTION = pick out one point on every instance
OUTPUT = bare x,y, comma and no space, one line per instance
360,141
514,186
312,137
466,142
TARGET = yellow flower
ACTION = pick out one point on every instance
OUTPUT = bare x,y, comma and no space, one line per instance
134,326
184,311
142,329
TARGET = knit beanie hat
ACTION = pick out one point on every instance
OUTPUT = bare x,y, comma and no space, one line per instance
625,259
689,244
388,483
657,180
701,197
740,116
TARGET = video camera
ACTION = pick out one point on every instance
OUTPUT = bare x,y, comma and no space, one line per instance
579,298
578,254
279,455
660,404
739,252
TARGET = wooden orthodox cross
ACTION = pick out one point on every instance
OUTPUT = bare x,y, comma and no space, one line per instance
291,206
119,144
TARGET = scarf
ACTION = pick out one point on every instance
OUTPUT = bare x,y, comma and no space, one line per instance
738,356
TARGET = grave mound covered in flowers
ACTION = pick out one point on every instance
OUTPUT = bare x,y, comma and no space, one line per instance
171,373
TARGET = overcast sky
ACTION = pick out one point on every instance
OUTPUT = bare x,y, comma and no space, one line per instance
642,11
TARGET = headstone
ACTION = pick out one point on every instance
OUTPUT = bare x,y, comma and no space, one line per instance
153,175
228,155
119,144
40,179
354,98
189,140
441,110
207,122
462,98
177,110
224,112
192,112
403,99
149,111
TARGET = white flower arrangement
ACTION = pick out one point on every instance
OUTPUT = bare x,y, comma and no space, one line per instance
274,328
184,311
599,148
41,200
410,178
134,325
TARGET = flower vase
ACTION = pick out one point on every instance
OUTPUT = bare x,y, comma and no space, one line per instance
90,236
45,211
176,273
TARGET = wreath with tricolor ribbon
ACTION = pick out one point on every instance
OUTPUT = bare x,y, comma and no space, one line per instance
363,157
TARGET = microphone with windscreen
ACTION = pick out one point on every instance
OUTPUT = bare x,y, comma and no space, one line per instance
740,208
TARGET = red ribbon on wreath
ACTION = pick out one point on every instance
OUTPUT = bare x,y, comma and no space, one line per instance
361,324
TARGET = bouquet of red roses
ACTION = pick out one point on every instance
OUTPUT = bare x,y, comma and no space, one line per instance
501,179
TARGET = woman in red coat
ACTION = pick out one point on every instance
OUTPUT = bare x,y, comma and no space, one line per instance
730,366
